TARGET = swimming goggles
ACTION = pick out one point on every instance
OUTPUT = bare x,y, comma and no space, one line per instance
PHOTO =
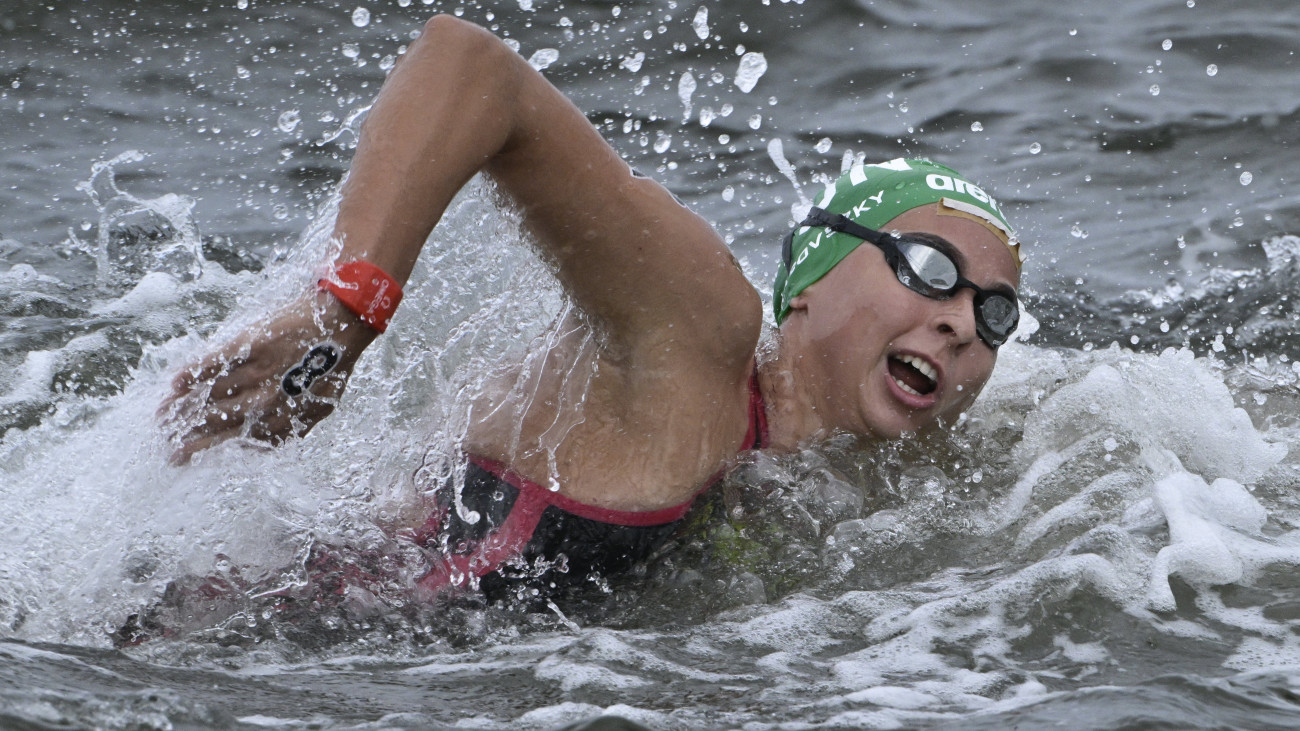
925,269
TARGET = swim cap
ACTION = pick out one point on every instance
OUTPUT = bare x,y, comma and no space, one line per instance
873,195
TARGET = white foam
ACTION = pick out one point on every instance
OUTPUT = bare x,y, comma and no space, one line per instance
572,675
560,713
894,697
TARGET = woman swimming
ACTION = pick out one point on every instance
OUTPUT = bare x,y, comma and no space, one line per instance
876,340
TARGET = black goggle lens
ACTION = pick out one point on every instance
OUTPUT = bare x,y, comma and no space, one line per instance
996,318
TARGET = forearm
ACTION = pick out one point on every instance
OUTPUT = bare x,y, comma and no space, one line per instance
443,113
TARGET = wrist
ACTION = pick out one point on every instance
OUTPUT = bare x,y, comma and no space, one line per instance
365,289
342,324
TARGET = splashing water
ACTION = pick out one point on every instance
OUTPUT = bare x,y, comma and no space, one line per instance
543,58
137,237
248,515
685,90
752,67
776,151
700,24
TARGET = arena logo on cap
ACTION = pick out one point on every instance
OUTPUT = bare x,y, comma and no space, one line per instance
957,185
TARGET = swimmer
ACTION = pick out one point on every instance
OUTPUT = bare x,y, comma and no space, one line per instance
892,298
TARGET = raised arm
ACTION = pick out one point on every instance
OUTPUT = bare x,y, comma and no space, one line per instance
654,277
462,101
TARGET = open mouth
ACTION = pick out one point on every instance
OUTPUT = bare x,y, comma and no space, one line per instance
913,374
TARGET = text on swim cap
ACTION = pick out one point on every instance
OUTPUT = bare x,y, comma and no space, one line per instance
861,208
957,185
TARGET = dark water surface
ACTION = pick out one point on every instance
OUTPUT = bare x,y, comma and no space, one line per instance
1108,541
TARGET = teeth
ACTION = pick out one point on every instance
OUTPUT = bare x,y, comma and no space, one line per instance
925,368
907,388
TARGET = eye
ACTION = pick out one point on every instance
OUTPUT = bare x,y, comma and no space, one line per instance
933,267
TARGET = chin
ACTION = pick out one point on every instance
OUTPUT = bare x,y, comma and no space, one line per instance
888,430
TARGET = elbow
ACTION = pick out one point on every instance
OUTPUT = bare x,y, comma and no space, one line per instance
471,40
443,24
460,49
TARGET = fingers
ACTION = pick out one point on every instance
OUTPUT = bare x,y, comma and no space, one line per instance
274,381
248,401
206,424
209,376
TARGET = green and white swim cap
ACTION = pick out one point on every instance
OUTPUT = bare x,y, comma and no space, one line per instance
873,195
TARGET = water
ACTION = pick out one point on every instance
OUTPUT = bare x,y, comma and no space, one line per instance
1107,541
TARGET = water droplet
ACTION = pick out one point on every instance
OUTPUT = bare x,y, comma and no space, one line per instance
633,63
1246,177
685,90
752,67
351,50
1164,327
1074,31
1166,44
823,145
724,139
1111,444
1135,340
289,120
1155,90
360,17
1077,232
756,121
242,72
726,110
663,142
976,127
729,194
280,212
707,116
701,23
1191,3
242,4
902,107
1211,70
1035,148
526,5
543,58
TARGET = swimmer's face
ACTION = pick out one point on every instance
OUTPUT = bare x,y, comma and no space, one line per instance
881,359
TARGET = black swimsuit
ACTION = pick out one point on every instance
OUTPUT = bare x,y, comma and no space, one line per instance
525,531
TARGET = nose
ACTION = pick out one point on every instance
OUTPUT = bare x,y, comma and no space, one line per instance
955,317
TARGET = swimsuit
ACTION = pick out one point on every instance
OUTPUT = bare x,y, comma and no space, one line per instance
528,534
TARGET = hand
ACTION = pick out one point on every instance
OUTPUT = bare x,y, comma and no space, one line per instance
272,382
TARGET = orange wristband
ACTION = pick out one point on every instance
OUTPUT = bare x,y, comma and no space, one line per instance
367,290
